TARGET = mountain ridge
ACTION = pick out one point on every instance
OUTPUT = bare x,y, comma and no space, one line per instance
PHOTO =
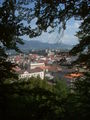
28,45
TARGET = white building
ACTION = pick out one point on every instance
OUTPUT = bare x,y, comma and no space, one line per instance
35,65
32,73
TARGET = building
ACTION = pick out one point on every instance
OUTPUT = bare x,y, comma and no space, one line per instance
36,64
32,73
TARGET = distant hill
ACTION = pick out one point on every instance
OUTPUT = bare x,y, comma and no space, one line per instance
28,45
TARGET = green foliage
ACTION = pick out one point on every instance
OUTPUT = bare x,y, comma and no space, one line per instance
78,103
32,99
61,89
9,32
36,99
83,48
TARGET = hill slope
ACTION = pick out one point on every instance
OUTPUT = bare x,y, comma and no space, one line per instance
40,45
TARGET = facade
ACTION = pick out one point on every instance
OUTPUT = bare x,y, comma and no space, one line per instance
33,73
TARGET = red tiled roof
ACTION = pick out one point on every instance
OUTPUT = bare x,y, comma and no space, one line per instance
36,70
50,68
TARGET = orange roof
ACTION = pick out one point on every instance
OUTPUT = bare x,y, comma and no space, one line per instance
73,75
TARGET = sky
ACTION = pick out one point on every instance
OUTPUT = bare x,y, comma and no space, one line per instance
68,36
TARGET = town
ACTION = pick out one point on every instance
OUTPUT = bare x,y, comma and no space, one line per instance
47,64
